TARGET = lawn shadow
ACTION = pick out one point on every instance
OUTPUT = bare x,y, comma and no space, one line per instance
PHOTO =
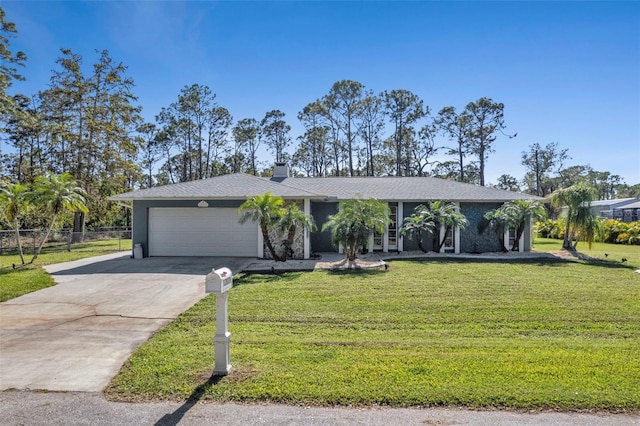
122,263
609,264
172,419
252,278
548,261
357,271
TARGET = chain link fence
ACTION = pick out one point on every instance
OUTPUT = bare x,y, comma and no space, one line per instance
107,239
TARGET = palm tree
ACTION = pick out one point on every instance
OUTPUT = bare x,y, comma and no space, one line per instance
514,214
520,212
292,219
354,222
444,214
57,194
579,219
499,220
13,202
266,210
421,221
586,226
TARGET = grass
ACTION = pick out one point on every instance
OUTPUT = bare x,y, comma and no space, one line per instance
31,277
615,252
520,334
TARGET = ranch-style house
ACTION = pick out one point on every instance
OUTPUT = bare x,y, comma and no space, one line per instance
200,218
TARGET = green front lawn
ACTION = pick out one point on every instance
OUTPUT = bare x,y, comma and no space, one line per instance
525,335
28,278
613,253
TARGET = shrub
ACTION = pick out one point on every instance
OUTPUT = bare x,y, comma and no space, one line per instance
612,229
550,228
632,234
544,228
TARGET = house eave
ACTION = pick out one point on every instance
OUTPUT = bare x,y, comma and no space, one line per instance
119,198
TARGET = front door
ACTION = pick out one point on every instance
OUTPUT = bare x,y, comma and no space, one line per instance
389,240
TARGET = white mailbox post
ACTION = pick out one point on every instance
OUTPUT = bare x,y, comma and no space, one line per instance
220,281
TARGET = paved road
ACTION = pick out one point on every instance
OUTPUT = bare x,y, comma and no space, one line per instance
76,335
30,408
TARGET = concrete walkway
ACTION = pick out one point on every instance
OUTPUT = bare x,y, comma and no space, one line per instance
76,335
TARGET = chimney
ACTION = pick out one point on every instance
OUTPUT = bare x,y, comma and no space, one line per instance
280,171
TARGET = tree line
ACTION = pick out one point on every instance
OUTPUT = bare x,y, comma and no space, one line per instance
87,122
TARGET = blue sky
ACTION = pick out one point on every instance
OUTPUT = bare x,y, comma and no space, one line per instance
567,72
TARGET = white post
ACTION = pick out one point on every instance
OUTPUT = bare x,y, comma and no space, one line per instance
385,239
506,239
307,234
260,243
456,234
399,222
222,337
220,281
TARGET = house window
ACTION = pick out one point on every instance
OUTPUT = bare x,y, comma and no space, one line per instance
393,227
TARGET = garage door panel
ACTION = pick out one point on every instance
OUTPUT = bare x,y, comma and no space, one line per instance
200,232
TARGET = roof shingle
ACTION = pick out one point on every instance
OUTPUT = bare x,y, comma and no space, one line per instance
240,186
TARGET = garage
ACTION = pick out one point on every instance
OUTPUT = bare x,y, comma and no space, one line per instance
193,231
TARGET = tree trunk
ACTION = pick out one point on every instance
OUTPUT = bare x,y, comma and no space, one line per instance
420,245
566,242
350,147
78,226
291,235
481,156
461,159
444,238
44,239
519,232
267,240
16,226
501,241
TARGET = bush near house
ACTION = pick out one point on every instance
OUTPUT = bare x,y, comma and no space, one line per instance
612,231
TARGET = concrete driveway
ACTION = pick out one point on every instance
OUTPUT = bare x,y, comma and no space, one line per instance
76,335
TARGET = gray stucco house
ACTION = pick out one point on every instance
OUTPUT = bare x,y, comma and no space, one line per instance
200,218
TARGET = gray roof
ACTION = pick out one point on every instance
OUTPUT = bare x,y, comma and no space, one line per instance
635,205
395,188
618,202
237,186
240,186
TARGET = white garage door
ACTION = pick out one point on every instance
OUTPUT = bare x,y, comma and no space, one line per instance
200,232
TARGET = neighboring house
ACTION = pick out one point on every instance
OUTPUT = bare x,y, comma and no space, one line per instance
629,212
200,218
612,209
